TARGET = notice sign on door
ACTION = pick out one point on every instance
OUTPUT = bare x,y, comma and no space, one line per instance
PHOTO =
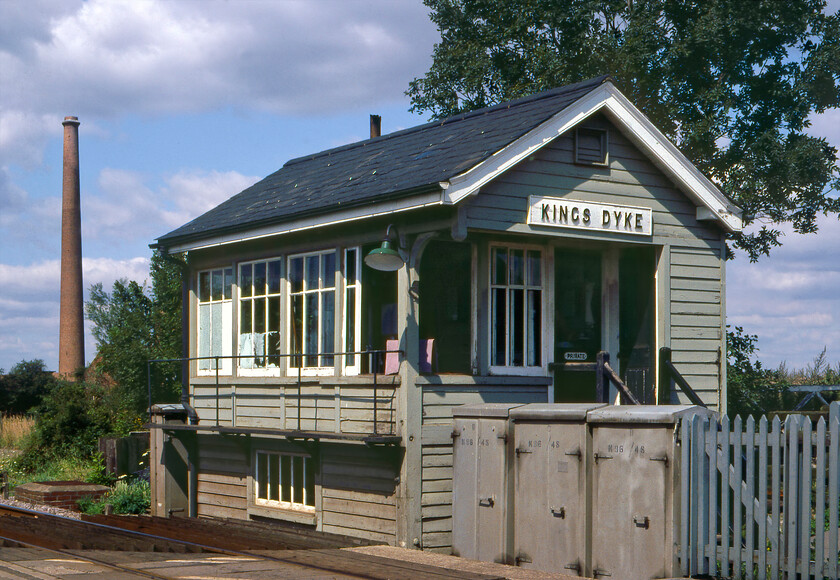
602,217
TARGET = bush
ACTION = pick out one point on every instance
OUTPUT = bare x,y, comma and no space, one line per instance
24,387
126,498
15,430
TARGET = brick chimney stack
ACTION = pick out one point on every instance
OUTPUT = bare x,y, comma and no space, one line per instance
71,355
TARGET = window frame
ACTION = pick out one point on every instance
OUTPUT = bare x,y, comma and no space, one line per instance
226,330
266,370
306,513
291,367
603,137
544,331
357,286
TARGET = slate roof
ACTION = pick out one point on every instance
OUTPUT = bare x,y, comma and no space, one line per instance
392,166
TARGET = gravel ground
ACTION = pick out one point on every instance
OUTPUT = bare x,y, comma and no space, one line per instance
41,508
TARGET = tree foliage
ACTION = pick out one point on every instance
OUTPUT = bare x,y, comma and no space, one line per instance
24,386
752,389
731,83
133,324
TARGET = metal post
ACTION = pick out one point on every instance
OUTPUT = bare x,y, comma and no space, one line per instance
601,385
149,386
217,390
375,403
664,390
300,368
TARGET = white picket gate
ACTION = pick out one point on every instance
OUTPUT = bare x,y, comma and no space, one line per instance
760,500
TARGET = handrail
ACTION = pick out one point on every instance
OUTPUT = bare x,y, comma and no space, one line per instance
193,415
669,373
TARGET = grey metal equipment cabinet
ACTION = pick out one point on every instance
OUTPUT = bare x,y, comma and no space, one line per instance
635,490
552,522
482,507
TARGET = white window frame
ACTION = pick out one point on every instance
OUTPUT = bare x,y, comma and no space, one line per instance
356,306
508,369
309,505
226,331
272,368
317,370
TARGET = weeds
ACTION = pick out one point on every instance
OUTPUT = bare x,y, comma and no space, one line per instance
14,430
125,498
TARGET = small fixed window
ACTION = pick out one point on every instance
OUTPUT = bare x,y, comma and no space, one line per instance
591,146
284,480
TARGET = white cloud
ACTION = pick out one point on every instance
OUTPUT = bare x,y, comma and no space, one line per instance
29,305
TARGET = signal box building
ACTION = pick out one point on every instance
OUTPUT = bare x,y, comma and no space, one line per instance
520,240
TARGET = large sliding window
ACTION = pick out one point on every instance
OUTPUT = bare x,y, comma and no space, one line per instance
516,306
312,310
215,319
259,316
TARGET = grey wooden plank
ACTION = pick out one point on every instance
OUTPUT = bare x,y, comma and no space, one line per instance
819,500
725,491
834,488
749,504
737,499
761,516
805,501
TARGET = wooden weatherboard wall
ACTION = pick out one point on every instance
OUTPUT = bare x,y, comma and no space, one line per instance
355,484
439,398
690,276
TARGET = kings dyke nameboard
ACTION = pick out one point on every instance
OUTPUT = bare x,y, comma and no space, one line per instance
601,217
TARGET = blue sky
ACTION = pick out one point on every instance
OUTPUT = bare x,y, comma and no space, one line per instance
184,103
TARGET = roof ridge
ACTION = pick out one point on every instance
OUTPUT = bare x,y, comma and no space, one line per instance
570,88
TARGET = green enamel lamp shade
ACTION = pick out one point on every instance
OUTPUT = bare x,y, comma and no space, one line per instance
384,258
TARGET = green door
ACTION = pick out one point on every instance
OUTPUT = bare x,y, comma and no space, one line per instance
577,323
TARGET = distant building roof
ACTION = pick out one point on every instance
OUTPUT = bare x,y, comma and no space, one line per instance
392,166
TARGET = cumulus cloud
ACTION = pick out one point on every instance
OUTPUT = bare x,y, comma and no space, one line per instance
791,300
29,304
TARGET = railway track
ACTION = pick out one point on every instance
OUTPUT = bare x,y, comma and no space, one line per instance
147,547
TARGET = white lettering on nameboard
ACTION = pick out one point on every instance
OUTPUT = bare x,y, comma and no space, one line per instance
602,217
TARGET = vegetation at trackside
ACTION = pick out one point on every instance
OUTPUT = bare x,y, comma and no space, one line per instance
126,498
64,420
733,84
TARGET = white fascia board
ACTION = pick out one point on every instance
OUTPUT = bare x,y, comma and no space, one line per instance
640,130
340,217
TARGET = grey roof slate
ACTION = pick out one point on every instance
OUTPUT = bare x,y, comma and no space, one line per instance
388,167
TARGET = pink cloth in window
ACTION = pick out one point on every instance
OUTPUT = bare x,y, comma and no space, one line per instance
392,359
426,353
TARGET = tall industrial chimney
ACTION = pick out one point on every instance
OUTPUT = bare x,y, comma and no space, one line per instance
71,355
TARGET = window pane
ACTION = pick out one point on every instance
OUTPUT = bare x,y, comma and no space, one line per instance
534,336
274,277
262,476
499,326
534,268
296,274
297,325
517,267
259,315
204,287
297,474
217,335
273,471
286,478
245,279
312,272
204,335
328,270
350,326
500,269
273,337
328,327
350,267
228,282
259,279
309,482
217,283
517,326
311,330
